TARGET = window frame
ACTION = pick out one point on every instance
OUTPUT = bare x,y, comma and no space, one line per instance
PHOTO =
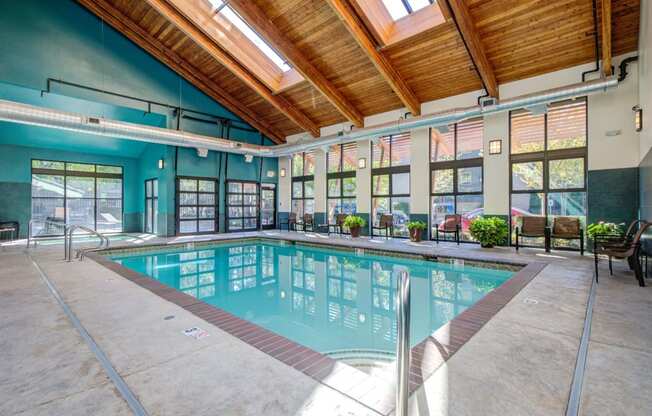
178,220
303,179
455,164
390,171
242,205
154,211
546,156
66,173
340,176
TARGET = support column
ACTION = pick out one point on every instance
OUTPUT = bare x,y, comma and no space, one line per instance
496,167
420,177
320,186
284,189
363,185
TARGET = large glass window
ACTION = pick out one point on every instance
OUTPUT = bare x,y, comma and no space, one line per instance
303,183
341,181
241,206
390,181
76,193
196,205
548,163
456,175
151,206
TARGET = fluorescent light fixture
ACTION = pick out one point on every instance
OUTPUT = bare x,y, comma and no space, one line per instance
161,163
495,147
362,163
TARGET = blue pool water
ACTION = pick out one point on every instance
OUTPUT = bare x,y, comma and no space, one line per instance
329,300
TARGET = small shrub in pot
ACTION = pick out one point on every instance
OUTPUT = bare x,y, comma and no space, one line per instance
354,223
489,231
415,228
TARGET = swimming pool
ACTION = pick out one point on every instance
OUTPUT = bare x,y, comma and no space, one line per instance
337,302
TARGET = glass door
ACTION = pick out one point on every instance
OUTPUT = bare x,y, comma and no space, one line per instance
242,206
268,206
151,206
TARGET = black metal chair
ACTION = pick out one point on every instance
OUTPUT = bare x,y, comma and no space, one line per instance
10,227
567,228
386,224
452,224
629,251
290,223
308,223
534,227
338,226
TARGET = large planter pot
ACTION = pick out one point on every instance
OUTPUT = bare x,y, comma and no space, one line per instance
415,235
355,231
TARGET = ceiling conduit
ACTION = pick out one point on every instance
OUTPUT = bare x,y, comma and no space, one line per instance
39,116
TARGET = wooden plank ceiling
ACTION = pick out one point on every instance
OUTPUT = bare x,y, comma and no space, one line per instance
519,38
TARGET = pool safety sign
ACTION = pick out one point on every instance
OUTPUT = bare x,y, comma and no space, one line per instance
196,333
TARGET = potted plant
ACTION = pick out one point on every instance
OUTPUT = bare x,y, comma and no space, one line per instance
489,231
415,228
354,224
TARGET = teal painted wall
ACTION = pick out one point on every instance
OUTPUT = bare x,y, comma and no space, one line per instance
613,195
61,40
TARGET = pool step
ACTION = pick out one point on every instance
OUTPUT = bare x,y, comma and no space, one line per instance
379,363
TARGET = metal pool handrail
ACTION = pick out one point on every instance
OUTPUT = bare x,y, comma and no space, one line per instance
402,343
30,226
104,241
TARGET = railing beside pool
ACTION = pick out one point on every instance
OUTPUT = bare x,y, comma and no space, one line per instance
402,342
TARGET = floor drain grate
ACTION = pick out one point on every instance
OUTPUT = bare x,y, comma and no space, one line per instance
530,301
167,318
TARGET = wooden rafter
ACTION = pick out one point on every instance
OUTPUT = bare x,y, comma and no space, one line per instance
606,37
464,20
259,21
364,39
122,23
205,42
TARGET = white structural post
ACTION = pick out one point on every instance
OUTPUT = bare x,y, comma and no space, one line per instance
403,343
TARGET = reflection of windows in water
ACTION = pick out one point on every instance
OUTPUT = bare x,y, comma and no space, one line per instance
243,267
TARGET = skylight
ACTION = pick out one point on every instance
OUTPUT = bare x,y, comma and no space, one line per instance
401,8
225,10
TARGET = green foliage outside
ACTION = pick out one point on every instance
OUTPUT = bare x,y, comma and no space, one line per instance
489,231
352,221
602,228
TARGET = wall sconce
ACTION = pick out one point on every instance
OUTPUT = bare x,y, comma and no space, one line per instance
161,163
282,172
638,117
495,147
248,158
271,173
362,163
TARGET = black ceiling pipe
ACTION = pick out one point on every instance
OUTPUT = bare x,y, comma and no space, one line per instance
623,67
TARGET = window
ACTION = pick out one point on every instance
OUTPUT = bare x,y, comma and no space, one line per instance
151,206
268,205
196,205
303,183
77,194
220,7
341,183
401,8
390,181
241,206
548,163
456,174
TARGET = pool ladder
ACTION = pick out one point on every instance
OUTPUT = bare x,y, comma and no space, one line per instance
402,343
104,242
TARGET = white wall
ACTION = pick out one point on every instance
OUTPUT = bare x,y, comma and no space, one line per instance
609,112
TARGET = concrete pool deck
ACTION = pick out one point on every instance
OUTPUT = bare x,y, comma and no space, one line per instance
520,362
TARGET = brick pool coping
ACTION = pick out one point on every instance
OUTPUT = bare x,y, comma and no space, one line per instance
373,392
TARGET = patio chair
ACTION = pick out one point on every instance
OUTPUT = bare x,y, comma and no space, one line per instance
308,223
385,223
290,223
338,226
567,228
617,240
533,227
452,224
629,251
11,227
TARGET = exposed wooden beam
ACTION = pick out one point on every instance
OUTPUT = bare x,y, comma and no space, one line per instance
205,42
364,39
606,38
259,21
464,21
120,22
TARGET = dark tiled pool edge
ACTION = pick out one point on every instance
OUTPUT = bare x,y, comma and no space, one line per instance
426,357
